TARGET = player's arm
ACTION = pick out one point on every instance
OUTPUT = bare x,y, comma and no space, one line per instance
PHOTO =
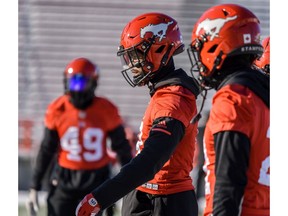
232,160
158,148
120,144
46,152
48,147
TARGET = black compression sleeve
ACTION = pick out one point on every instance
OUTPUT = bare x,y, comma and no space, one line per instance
232,161
45,155
120,145
158,148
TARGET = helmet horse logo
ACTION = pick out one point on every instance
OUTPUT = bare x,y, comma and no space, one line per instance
158,30
213,27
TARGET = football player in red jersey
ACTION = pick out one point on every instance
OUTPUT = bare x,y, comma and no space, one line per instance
225,42
264,61
156,181
77,125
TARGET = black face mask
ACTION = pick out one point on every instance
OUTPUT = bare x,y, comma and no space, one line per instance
81,100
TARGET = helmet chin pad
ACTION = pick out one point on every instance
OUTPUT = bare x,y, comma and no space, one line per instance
81,100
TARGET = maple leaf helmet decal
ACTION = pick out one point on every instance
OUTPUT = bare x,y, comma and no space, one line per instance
148,41
223,30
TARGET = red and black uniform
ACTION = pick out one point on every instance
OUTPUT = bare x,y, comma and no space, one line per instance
165,149
237,147
78,139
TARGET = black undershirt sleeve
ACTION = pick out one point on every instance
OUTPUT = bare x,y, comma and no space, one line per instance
159,146
232,161
120,145
48,148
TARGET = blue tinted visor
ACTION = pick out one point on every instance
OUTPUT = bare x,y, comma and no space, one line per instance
77,83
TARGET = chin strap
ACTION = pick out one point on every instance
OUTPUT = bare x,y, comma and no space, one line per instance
198,116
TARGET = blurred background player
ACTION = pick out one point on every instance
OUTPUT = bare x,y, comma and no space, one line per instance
156,181
264,61
225,42
77,125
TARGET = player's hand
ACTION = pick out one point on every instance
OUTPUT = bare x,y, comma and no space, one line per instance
88,206
32,203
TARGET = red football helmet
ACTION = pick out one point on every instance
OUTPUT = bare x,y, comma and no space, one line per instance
148,42
264,61
223,30
80,74
80,81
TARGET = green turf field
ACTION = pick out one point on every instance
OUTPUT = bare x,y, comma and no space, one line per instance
23,212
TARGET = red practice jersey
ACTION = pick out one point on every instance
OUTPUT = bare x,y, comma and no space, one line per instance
178,103
237,108
82,133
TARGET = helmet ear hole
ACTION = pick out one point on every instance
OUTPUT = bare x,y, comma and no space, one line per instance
160,49
213,48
